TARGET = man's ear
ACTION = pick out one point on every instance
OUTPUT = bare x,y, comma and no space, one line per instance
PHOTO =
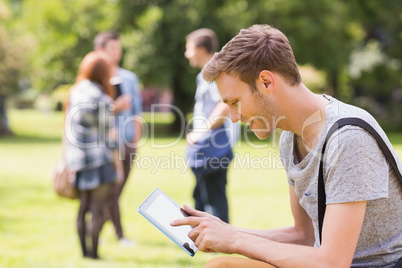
202,49
267,79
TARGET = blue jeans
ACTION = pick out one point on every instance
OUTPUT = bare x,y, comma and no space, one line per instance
210,193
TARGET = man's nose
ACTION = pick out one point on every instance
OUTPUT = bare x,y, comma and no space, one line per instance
234,115
188,54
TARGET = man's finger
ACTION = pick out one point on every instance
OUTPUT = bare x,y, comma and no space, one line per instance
192,221
193,211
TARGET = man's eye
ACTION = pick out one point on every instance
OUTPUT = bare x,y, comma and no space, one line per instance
235,103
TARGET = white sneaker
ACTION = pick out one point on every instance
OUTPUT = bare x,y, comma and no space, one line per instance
125,242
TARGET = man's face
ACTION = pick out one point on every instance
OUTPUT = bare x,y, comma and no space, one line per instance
254,108
193,54
113,49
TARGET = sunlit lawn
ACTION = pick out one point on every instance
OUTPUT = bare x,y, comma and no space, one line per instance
37,228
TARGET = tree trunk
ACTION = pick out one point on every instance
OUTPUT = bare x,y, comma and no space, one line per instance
4,126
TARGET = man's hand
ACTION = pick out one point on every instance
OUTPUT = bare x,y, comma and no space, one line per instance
209,233
194,136
191,139
122,103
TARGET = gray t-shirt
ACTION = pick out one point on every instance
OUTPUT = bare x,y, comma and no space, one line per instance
355,169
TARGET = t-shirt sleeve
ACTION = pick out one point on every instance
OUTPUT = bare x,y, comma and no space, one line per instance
355,168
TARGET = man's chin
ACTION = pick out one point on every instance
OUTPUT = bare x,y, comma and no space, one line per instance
193,64
262,135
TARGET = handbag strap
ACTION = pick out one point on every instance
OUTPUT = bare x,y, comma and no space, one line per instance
337,125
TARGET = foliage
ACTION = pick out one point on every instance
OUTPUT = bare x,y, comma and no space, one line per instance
11,61
324,34
11,64
376,63
61,32
157,35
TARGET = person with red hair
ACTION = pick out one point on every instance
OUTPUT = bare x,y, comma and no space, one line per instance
90,147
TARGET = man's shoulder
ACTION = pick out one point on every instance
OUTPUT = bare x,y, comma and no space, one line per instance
126,74
338,109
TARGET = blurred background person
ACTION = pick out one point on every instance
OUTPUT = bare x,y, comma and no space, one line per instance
128,111
209,144
89,151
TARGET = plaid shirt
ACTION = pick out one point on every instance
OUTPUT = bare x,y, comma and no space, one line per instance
87,125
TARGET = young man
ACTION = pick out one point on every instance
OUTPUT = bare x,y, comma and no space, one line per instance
258,78
208,145
128,109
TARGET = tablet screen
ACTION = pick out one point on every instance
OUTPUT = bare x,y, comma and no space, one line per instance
160,210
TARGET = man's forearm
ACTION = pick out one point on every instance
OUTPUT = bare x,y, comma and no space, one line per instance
289,235
341,230
281,254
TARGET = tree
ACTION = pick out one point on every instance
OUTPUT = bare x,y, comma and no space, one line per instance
154,35
62,32
323,33
377,60
11,65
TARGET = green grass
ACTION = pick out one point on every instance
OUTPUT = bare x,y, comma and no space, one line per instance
37,228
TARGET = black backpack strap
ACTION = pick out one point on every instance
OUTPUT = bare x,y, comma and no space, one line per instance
337,125
399,264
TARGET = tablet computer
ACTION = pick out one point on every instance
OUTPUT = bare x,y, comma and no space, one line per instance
160,210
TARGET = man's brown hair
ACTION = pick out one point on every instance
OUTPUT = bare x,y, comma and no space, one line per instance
204,38
102,38
260,47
